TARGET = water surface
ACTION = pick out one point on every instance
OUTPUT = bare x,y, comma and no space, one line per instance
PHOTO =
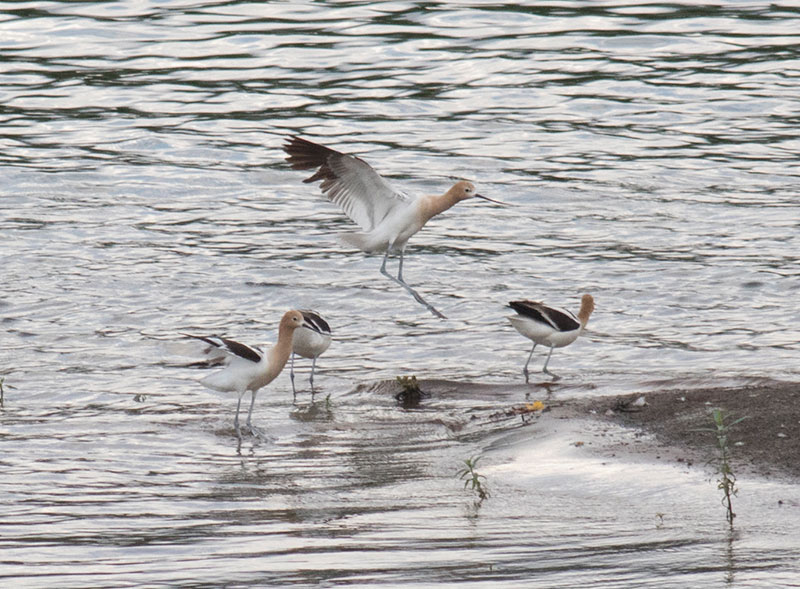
649,152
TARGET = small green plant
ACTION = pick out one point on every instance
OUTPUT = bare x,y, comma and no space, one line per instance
410,394
328,402
472,479
408,383
727,480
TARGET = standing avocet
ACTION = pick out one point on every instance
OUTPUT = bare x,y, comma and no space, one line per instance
310,343
549,326
387,217
250,368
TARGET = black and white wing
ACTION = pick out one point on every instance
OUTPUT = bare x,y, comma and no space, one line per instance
350,182
315,321
231,347
558,319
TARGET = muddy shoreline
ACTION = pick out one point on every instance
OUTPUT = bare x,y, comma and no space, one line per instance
656,422
765,443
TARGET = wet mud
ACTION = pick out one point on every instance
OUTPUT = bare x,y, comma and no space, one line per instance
659,423
766,442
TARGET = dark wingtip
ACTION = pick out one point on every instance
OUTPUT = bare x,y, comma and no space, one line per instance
316,319
303,154
514,305
524,307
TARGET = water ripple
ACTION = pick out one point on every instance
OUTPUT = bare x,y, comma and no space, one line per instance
647,151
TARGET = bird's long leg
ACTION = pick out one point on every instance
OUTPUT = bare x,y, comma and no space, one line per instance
291,376
253,430
383,266
400,267
311,378
399,280
545,370
236,419
525,370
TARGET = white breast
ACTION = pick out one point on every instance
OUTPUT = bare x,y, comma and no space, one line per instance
310,344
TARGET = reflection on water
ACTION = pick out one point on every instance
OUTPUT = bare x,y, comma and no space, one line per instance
648,152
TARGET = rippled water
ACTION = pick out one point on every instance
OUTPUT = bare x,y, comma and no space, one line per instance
649,152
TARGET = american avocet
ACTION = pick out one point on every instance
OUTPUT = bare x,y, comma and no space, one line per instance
250,368
549,326
387,217
310,343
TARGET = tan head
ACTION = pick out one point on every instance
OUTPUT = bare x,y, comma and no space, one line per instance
291,320
587,306
463,189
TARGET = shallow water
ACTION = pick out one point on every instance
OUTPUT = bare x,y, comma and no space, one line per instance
649,152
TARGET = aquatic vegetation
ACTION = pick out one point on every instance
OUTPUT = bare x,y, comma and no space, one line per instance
473,479
727,480
410,394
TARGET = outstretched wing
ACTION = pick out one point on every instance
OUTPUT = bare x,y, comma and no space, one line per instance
350,182
558,319
231,347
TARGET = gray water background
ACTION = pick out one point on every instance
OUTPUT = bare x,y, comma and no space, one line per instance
649,150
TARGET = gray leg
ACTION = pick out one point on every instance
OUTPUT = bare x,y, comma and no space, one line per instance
291,375
311,378
545,370
250,414
525,370
383,266
400,267
236,419
399,280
